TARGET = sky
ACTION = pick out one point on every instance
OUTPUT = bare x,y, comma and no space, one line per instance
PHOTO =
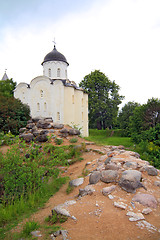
121,38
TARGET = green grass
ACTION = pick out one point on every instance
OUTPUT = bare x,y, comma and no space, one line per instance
101,137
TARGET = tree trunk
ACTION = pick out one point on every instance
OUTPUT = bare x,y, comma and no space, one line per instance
99,125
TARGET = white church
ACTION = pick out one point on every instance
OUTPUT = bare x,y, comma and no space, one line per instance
53,95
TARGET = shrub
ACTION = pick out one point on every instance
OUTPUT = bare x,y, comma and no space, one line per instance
29,227
58,141
13,114
73,140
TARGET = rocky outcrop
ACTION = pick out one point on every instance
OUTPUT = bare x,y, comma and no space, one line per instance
39,129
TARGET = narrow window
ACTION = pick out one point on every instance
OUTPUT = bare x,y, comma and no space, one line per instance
38,107
58,72
82,102
82,116
41,93
45,106
49,72
72,99
66,73
58,116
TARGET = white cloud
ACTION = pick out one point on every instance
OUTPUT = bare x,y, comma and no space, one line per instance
120,38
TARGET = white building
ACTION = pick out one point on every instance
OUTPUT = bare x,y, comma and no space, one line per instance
53,95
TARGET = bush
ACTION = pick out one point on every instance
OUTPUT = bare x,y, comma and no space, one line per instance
29,227
73,140
13,114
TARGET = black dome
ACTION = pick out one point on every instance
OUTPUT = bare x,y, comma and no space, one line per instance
54,55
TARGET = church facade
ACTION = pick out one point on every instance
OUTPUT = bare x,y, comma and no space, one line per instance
53,95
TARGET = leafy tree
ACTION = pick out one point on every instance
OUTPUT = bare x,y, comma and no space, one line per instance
7,87
103,99
123,119
145,117
13,114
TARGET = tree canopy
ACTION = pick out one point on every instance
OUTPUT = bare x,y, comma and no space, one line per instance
103,99
7,87
123,119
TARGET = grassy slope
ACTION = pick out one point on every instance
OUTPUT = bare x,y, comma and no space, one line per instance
101,137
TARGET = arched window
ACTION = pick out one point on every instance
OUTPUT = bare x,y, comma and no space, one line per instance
38,107
49,72
45,106
41,93
58,72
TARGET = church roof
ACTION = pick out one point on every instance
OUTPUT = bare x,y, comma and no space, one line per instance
54,55
5,77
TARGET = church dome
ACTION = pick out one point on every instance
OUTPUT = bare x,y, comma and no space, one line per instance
54,55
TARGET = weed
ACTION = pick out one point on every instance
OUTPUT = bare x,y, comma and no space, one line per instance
55,218
29,227
69,189
58,141
73,140
85,172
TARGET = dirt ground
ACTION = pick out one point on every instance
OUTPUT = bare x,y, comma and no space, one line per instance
97,218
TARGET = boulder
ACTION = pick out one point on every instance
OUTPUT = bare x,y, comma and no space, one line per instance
64,130
42,138
94,177
44,131
108,176
152,171
112,166
108,160
22,130
30,125
28,137
76,182
74,132
132,165
145,199
157,183
58,125
130,180
108,190
43,124
88,190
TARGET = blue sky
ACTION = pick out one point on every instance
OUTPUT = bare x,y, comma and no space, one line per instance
119,37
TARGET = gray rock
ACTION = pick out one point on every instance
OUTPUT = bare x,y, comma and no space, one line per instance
22,130
102,158
42,138
30,125
152,171
76,182
59,209
36,234
43,124
108,190
146,211
36,133
94,177
112,166
28,137
88,190
157,183
135,216
64,130
108,176
107,160
145,199
74,132
120,205
64,234
132,165
58,125
110,196
130,180
45,131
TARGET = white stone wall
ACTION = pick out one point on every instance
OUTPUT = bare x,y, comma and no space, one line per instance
55,69
64,104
